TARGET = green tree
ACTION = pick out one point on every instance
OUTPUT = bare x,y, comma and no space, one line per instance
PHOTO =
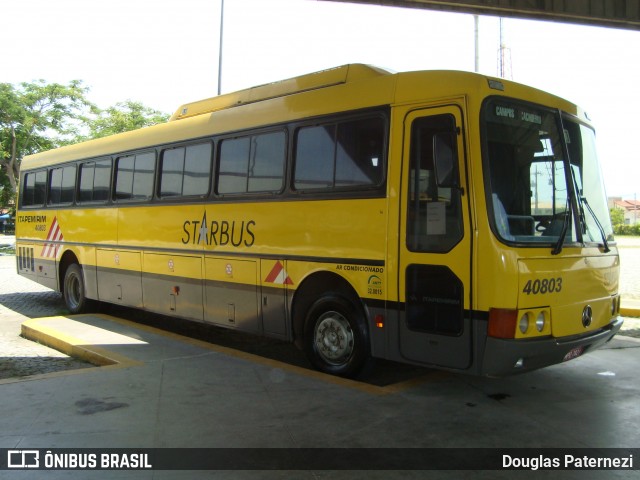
6,195
123,117
617,216
37,116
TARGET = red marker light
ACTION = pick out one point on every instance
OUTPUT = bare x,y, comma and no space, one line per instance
502,323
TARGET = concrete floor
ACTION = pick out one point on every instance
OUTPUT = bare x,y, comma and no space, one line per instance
166,390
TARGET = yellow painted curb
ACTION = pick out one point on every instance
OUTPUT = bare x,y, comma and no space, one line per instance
629,312
40,330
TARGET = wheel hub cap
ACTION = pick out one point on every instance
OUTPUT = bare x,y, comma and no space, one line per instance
334,338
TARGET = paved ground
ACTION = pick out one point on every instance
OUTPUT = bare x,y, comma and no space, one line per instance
21,299
629,250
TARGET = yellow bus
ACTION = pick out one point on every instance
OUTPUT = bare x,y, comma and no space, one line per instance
436,218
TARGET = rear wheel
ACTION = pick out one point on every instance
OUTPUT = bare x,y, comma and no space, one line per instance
335,336
74,291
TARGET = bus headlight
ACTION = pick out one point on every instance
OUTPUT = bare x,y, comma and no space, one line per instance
524,322
540,320
507,323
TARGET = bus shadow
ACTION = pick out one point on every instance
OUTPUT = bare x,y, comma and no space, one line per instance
384,373
34,304
49,303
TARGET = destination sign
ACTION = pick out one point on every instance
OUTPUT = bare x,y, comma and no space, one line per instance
517,114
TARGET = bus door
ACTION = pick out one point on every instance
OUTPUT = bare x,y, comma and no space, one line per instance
434,243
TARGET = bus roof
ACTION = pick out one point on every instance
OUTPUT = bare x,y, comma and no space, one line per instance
281,88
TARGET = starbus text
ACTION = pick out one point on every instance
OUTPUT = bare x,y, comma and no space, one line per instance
219,233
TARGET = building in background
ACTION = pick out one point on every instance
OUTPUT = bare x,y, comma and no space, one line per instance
631,209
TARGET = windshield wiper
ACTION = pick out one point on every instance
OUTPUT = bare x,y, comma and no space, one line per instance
563,233
583,201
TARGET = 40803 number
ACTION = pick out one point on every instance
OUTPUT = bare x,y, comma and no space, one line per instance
543,286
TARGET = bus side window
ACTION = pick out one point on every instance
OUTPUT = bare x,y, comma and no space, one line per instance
359,153
266,165
252,164
186,171
124,177
62,185
314,162
171,171
35,187
95,178
134,176
344,155
87,174
197,170
145,168
40,187
233,165
28,190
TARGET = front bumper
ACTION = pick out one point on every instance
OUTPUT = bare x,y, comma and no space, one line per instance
504,357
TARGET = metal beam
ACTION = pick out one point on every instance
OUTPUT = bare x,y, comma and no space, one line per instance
623,14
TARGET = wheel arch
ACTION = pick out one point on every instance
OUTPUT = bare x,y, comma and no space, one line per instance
68,258
311,288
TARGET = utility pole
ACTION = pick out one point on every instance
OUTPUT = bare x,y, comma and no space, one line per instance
504,56
220,48
476,33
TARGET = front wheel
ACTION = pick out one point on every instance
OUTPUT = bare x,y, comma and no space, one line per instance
335,336
74,291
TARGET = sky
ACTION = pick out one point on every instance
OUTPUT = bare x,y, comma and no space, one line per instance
165,53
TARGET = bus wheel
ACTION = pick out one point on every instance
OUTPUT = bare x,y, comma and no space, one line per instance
335,336
74,290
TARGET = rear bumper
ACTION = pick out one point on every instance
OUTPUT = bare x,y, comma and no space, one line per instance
507,357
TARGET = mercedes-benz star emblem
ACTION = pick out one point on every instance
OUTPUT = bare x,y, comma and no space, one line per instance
587,316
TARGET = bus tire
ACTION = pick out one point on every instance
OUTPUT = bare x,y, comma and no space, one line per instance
74,291
335,336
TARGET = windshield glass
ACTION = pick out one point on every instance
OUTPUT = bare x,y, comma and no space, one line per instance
529,184
589,184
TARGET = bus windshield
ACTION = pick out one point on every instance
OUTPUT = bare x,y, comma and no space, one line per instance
543,177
